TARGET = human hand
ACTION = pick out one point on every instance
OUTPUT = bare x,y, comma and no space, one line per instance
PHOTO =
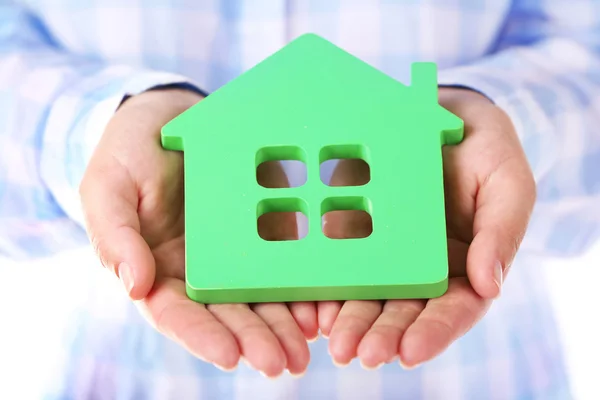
132,196
490,194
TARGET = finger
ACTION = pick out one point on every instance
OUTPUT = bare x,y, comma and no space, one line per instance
504,204
279,319
327,312
382,342
353,322
344,225
443,320
305,315
190,324
257,343
109,199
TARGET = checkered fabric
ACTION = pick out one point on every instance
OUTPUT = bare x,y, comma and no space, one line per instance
66,64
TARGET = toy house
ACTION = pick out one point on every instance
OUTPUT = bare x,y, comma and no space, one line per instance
312,101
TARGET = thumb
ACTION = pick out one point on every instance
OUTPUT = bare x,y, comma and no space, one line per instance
504,205
109,199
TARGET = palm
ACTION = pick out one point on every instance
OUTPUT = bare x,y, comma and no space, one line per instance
133,197
489,194
216,332
161,213
460,194
373,330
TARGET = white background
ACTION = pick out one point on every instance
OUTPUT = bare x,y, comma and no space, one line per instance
36,298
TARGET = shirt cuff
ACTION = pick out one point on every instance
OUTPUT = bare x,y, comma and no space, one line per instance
78,119
532,125
504,92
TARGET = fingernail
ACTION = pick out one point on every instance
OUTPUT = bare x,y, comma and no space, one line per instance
393,359
271,377
245,361
407,367
296,376
126,276
498,276
312,340
365,367
225,369
339,364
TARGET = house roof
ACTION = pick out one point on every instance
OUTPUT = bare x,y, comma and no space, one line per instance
312,83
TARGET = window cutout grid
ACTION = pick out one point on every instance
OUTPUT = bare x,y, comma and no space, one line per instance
271,165
279,219
345,165
347,217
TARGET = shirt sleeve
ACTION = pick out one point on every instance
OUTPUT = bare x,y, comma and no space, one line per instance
54,107
545,73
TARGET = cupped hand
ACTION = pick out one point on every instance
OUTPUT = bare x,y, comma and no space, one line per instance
490,194
132,196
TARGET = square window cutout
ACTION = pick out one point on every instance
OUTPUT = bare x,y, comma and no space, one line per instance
345,165
280,167
347,217
280,219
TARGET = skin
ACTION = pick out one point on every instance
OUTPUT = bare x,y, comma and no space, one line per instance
490,194
132,196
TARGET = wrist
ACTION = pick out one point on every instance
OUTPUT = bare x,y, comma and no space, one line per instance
463,93
477,111
177,98
145,113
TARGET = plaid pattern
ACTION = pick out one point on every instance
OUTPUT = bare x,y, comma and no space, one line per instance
66,64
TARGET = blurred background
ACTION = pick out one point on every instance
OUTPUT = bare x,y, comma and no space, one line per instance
37,299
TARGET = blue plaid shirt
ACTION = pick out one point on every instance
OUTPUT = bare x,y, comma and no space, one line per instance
66,64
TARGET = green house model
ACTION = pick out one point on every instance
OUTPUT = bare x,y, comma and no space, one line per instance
311,102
